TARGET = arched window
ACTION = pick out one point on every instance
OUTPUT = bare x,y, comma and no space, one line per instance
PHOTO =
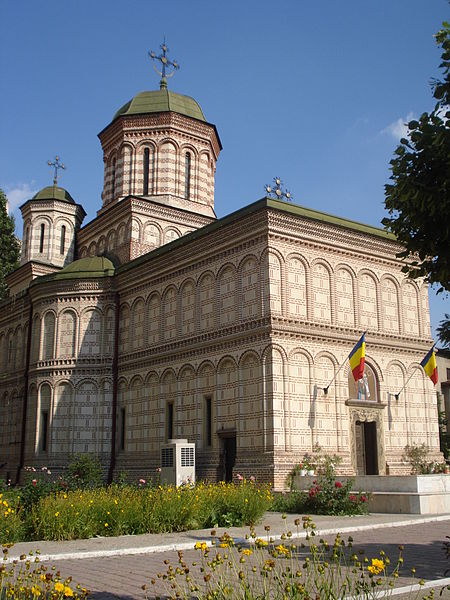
27,242
41,243
366,389
146,170
187,176
113,178
62,244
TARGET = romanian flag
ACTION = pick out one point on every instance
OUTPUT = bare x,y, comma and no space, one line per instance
429,366
356,358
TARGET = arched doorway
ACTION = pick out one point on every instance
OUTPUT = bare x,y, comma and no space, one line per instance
366,423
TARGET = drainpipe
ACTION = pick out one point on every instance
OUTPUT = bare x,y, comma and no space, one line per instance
25,394
115,374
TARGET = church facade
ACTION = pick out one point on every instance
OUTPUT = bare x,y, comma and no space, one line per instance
157,320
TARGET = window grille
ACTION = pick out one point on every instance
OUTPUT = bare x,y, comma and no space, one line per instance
167,457
187,457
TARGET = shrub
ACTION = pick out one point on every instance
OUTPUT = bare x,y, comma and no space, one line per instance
417,456
84,472
294,502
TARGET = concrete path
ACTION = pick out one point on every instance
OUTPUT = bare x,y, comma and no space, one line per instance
116,568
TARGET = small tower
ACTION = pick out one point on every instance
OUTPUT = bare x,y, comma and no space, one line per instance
160,147
50,222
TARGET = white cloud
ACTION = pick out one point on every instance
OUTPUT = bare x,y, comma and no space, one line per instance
399,128
17,194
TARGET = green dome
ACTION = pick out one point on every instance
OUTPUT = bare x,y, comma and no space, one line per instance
91,266
161,101
53,192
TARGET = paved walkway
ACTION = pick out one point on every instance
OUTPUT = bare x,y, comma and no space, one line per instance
116,568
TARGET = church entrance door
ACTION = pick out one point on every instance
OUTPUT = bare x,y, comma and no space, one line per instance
366,448
229,455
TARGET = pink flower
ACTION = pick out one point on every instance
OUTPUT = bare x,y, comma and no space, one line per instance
239,477
352,498
34,482
363,498
312,492
158,470
252,478
337,484
142,482
49,472
44,469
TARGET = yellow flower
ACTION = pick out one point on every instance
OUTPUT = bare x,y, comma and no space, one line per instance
35,591
260,543
106,524
201,546
57,514
59,586
247,551
376,567
282,549
68,592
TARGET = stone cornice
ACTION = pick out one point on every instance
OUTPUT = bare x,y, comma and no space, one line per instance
346,336
162,122
245,333
337,238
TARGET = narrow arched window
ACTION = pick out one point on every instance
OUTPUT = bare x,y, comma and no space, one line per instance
113,179
146,170
187,176
41,243
27,242
62,244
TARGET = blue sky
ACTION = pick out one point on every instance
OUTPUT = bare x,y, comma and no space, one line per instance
314,92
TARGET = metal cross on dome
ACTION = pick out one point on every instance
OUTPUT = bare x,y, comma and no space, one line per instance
277,191
56,165
164,61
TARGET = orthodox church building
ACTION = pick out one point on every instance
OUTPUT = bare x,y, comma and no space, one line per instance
157,321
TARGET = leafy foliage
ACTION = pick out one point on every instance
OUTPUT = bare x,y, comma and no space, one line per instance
417,456
443,331
9,246
418,200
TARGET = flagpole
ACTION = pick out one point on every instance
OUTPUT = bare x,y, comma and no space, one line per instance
325,389
396,396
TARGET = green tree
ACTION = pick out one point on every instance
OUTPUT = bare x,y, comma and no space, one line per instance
9,246
443,331
418,200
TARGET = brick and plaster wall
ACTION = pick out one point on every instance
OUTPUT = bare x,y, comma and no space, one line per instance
134,227
49,231
177,153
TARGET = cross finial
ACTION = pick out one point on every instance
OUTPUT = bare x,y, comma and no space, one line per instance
165,64
56,165
277,190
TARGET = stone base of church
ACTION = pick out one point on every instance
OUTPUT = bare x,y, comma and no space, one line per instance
399,494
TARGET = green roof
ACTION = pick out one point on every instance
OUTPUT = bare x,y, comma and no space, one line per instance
269,203
159,101
92,266
53,192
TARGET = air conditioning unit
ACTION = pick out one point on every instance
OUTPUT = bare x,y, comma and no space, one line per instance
178,462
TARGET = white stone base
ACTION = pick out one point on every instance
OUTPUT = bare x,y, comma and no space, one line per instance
408,494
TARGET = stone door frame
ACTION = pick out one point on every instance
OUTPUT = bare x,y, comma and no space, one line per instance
363,412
